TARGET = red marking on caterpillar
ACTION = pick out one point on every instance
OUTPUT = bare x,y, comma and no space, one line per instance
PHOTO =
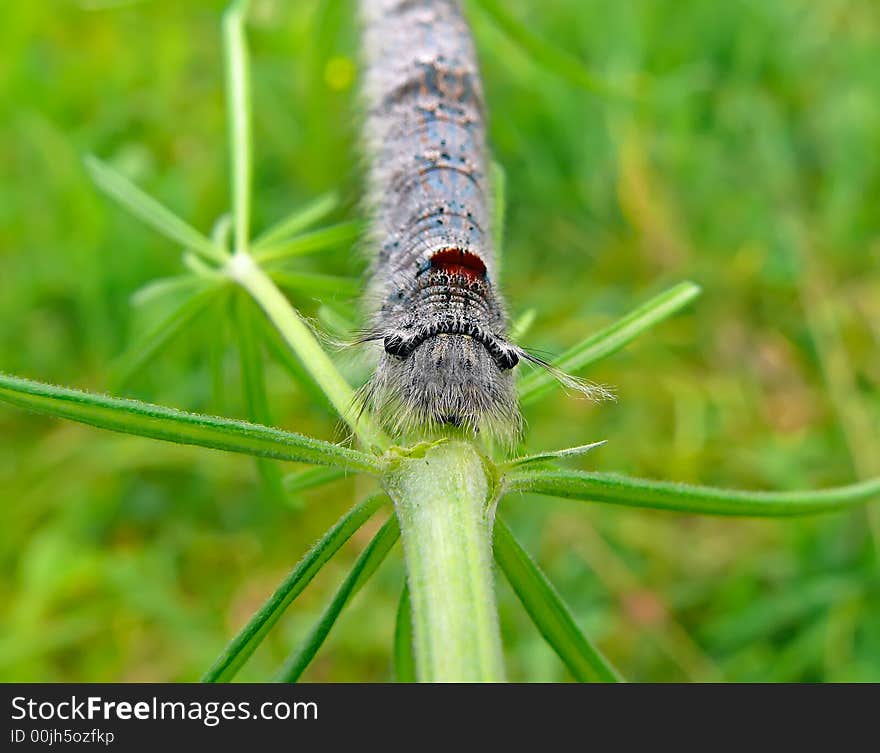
459,261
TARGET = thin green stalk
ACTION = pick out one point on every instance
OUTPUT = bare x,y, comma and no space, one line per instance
444,496
239,113
702,500
299,337
247,641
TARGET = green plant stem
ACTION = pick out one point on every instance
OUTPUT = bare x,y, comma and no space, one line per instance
299,337
445,498
239,109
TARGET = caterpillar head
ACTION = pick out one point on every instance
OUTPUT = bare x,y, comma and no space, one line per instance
447,379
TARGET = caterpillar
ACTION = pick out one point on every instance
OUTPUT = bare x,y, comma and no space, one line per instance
445,358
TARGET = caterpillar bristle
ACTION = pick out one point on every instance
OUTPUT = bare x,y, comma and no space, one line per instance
591,390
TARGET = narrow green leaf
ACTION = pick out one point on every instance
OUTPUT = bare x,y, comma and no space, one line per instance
404,659
217,347
311,478
122,190
317,284
333,236
300,219
364,567
254,384
246,642
705,500
222,231
165,286
171,425
549,613
147,347
238,94
546,54
551,455
610,340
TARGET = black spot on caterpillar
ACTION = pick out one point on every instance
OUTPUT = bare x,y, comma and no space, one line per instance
438,315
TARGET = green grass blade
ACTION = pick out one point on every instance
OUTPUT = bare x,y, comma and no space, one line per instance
333,236
217,349
300,219
704,500
311,478
317,284
790,608
364,567
609,340
254,383
238,99
549,613
522,324
246,642
404,659
144,206
499,209
145,348
172,425
546,54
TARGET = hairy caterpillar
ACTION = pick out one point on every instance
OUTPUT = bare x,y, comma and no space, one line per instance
438,314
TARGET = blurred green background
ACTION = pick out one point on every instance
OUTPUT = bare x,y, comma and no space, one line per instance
751,165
